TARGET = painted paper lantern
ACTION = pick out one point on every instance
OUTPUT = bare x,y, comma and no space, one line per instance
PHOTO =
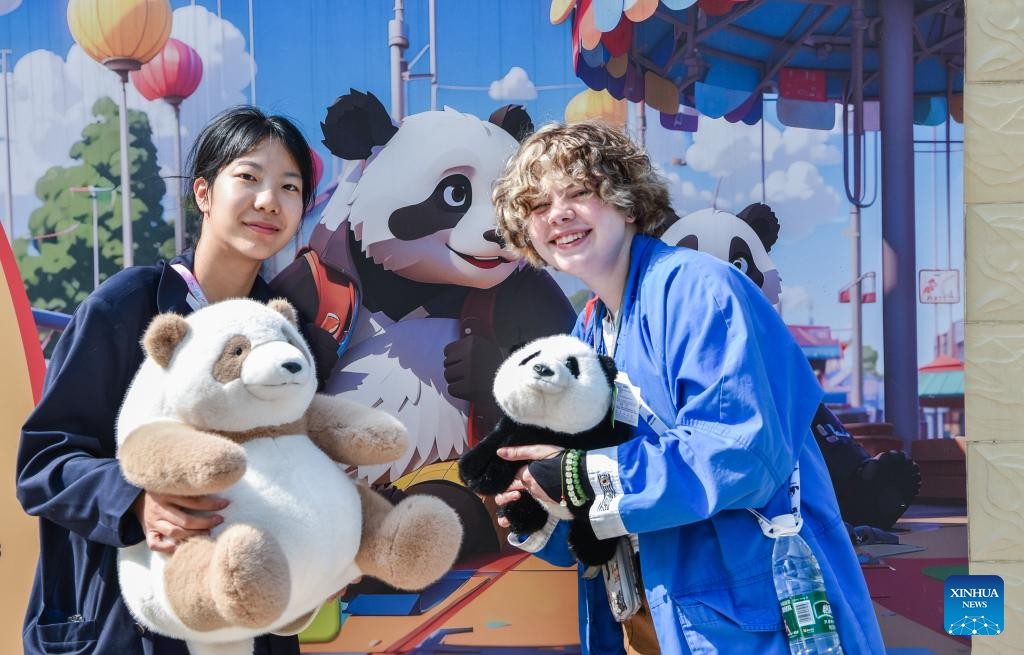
173,74
111,31
596,105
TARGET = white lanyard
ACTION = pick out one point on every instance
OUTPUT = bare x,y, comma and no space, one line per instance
778,526
196,298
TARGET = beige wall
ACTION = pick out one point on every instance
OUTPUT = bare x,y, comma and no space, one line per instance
994,302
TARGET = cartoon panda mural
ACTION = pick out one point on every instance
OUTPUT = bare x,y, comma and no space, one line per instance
872,491
406,278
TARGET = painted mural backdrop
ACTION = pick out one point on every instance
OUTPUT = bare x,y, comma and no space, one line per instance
397,268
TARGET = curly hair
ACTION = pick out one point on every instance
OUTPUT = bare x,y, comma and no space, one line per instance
593,154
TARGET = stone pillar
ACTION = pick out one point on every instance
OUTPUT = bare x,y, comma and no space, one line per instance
994,303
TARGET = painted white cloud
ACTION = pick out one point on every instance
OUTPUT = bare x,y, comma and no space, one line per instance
722,148
7,6
800,198
686,197
723,168
516,85
52,99
797,305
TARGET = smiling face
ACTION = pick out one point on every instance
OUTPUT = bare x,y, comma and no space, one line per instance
575,231
254,205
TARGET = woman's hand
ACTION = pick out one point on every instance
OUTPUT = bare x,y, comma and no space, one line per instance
524,480
167,519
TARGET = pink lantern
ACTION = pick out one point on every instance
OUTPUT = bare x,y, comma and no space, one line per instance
172,75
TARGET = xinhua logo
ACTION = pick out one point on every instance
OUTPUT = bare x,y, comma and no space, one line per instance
974,605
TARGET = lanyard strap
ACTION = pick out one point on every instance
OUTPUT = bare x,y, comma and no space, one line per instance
196,298
778,526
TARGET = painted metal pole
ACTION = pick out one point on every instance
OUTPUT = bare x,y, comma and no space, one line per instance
95,239
432,7
9,216
856,317
126,178
899,279
252,59
640,119
179,217
856,346
398,42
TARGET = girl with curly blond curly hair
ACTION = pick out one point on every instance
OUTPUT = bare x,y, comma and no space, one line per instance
724,398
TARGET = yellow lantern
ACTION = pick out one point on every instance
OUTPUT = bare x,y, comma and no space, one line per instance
596,105
122,35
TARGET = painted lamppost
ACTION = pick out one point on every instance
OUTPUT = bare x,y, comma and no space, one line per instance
122,35
173,75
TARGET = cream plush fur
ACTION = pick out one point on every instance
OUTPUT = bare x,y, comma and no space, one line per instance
225,403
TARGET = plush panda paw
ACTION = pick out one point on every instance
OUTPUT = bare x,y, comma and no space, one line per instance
525,516
882,490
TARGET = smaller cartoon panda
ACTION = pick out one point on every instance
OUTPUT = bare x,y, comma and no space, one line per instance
742,239
555,390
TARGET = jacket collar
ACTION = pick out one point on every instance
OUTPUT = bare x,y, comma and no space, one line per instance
172,290
640,251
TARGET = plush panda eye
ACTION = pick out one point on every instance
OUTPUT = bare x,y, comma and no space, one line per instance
574,366
456,192
741,263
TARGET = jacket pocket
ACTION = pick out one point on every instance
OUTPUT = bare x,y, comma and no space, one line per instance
740,618
67,637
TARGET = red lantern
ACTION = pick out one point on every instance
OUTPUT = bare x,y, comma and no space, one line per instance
172,75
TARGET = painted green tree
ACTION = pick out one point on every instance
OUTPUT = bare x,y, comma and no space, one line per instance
58,267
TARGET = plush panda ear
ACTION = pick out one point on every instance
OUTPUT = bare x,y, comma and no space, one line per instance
355,123
284,308
609,368
514,120
764,222
162,337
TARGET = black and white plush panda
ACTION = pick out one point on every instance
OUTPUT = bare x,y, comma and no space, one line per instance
872,491
558,391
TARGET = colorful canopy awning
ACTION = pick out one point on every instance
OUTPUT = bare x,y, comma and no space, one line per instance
717,57
816,341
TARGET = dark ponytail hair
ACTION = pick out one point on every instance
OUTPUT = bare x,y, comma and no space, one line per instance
235,132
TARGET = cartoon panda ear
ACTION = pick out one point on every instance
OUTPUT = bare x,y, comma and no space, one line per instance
355,123
609,368
514,120
764,222
162,337
284,308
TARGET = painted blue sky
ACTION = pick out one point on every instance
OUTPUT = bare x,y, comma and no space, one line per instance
309,52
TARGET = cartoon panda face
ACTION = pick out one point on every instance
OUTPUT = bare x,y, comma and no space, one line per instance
556,382
729,238
422,207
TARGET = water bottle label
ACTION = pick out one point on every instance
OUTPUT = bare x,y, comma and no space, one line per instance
807,615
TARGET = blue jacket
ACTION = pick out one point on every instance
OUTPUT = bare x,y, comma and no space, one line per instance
715,363
68,477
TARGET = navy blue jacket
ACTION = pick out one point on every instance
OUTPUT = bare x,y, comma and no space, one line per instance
68,477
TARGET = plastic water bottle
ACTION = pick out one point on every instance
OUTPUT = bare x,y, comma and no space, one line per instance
801,591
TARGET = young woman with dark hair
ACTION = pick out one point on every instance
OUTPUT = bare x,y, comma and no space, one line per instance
252,178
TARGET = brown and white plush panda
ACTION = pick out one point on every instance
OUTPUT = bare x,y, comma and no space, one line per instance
225,404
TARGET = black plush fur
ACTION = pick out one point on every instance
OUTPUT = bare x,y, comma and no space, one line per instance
486,473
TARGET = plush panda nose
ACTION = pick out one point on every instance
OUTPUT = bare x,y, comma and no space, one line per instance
543,370
292,367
